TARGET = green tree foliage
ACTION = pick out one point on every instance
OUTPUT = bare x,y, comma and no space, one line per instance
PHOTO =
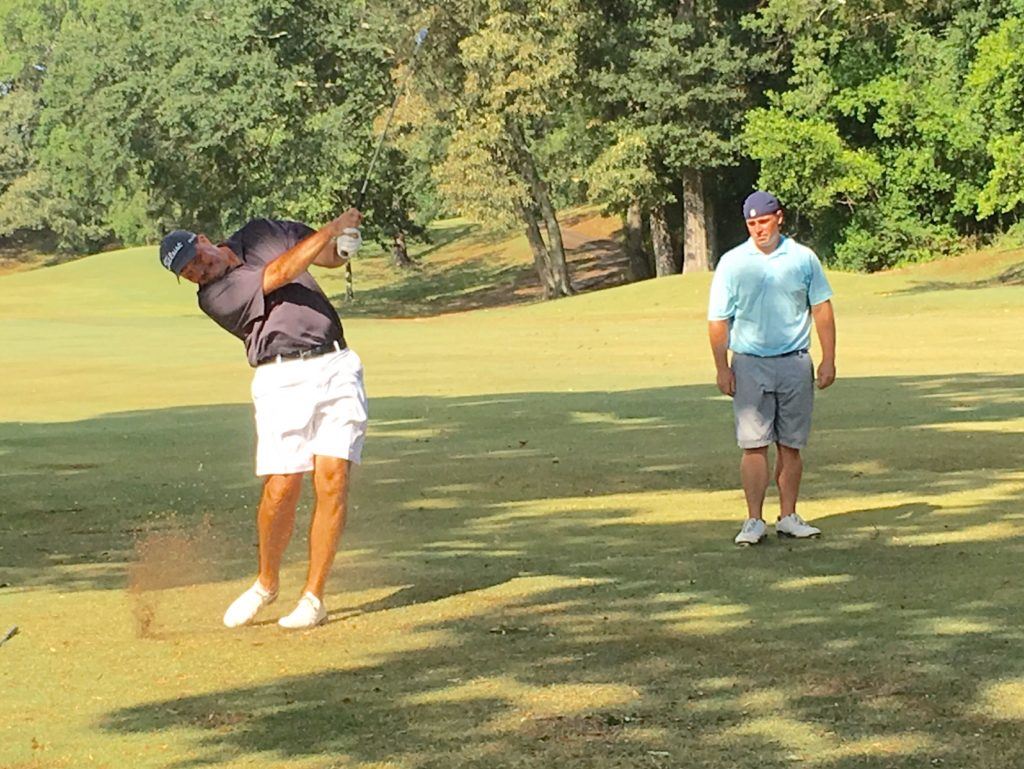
669,83
263,106
624,171
893,130
996,87
26,29
683,81
498,75
872,144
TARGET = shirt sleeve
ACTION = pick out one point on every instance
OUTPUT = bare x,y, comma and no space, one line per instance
236,300
722,301
818,290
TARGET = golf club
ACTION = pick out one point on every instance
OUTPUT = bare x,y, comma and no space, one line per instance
361,194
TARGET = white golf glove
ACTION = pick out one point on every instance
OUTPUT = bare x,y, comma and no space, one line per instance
349,242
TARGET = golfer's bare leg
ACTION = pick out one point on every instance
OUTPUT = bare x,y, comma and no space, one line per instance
275,521
789,469
330,481
754,476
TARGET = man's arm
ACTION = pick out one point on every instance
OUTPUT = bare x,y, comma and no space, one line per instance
718,334
296,260
328,256
825,325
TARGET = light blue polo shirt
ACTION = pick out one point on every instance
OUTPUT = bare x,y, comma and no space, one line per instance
767,297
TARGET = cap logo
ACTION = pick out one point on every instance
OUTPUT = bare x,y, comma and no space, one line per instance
168,259
753,212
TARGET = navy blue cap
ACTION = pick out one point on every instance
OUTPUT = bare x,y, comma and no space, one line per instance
760,203
177,249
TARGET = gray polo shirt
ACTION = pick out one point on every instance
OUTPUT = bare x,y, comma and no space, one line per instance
297,316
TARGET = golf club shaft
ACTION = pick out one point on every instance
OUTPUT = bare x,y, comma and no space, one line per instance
361,194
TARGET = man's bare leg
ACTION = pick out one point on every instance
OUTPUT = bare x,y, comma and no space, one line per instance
789,469
330,481
275,521
754,476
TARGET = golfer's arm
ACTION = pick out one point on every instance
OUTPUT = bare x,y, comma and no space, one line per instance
296,260
328,256
825,325
718,334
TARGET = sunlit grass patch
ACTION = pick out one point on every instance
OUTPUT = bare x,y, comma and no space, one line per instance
704,618
985,532
1003,700
802,583
808,743
958,626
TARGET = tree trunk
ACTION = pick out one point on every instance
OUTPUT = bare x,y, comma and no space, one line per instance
664,260
695,233
540,252
639,265
556,249
712,228
539,190
400,251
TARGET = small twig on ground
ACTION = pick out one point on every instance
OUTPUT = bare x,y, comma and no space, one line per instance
11,632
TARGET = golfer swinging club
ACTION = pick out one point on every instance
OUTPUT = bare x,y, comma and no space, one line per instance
764,295
307,387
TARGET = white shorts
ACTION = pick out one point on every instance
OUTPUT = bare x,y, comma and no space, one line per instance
308,407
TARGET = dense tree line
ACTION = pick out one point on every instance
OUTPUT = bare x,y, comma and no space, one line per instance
893,130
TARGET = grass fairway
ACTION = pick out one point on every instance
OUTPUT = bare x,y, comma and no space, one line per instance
538,569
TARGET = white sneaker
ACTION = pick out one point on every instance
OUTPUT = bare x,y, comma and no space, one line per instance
309,613
794,526
245,608
753,531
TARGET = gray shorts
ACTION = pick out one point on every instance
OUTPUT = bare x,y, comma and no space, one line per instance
774,399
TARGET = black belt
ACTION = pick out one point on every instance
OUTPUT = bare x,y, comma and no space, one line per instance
323,349
801,351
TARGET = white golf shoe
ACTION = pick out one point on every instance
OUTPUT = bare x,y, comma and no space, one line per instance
244,609
795,527
309,613
753,531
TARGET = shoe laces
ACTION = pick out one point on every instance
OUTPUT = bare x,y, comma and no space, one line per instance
264,594
312,603
749,525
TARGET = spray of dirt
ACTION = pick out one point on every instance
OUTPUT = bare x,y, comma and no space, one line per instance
173,556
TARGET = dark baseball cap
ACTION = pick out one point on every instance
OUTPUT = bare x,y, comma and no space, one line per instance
177,249
760,203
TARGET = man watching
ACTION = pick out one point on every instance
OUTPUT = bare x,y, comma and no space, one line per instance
764,295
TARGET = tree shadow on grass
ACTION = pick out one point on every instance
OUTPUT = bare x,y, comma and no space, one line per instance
599,264
79,494
470,284
511,600
1011,276
858,654
476,283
